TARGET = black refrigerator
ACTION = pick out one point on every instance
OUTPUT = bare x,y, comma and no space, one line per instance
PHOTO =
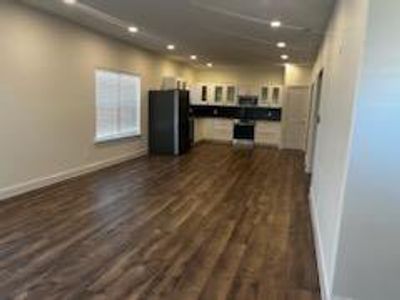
169,122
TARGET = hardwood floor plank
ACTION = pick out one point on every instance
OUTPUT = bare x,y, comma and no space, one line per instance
218,223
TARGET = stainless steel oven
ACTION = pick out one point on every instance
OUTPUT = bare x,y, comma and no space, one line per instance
244,127
243,132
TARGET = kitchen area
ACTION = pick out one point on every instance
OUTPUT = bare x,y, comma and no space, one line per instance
237,114
248,110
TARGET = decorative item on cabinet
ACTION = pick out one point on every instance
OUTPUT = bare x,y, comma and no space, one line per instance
172,83
184,86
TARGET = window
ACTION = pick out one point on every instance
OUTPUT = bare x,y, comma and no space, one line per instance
117,105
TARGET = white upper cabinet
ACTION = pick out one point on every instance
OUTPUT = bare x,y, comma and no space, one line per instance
271,95
210,93
264,95
214,94
231,94
195,94
227,94
219,94
202,93
276,96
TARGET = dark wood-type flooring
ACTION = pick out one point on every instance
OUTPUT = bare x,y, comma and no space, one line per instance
217,223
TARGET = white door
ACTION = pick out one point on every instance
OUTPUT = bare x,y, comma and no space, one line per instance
296,112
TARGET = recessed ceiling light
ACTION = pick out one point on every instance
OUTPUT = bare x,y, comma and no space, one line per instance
133,29
69,2
193,57
276,24
285,56
210,65
171,47
281,45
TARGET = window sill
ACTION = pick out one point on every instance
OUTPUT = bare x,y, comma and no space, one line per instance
116,137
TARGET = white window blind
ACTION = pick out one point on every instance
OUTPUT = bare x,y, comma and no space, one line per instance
117,105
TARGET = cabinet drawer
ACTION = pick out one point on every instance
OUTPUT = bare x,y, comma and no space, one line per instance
268,133
268,138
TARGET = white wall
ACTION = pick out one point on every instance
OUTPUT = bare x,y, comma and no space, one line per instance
47,115
355,188
368,261
297,75
249,77
340,57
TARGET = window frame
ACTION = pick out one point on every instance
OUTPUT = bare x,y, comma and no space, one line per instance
120,135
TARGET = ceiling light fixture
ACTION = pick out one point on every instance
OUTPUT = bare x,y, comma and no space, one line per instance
281,45
276,24
285,56
210,65
193,57
69,2
171,47
133,29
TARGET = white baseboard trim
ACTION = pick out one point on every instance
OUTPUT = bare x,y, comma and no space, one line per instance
38,183
323,278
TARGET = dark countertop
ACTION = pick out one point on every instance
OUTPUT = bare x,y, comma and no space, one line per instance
236,112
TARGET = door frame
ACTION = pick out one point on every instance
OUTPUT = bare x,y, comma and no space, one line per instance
284,117
314,122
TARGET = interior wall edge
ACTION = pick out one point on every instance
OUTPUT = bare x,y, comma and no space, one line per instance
322,270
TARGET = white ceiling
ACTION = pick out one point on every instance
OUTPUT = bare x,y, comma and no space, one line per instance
226,32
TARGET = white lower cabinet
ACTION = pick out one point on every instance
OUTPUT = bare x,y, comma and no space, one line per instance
220,130
268,133
199,130
213,129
